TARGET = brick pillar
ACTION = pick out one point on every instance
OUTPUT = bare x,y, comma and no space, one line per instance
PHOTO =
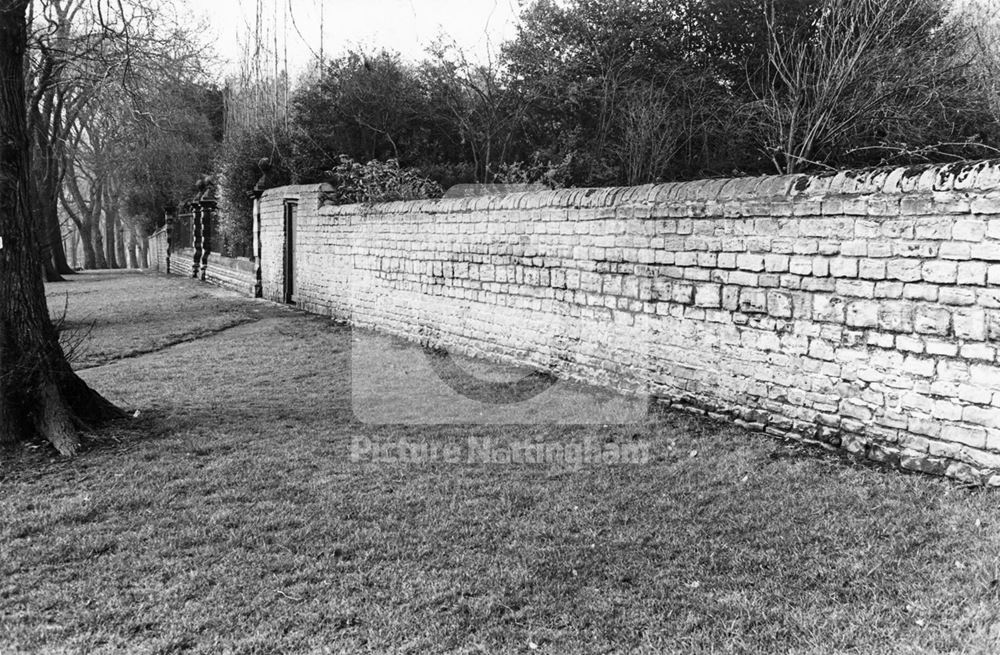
258,190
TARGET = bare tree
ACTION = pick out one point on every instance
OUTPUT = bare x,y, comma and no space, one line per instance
39,392
863,68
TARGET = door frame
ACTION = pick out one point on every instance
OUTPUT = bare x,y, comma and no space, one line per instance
291,238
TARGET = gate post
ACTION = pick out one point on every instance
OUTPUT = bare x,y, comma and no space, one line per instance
206,207
258,190
196,236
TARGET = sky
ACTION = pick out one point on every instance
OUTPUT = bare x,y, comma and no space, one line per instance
407,26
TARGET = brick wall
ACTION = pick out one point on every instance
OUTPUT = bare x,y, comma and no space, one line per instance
860,309
234,273
159,250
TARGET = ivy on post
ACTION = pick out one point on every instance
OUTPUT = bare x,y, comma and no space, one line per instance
196,227
168,224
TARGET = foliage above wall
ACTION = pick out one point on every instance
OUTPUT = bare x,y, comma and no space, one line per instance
378,181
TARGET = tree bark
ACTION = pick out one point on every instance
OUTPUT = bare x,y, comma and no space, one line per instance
144,252
74,247
109,237
133,247
39,392
97,239
120,241
89,259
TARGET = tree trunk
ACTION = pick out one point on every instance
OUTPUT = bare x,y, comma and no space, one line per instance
87,244
74,246
133,247
109,237
97,239
55,240
144,252
39,393
120,241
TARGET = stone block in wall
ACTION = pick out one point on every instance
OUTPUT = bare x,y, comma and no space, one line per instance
956,296
904,270
940,272
953,250
969,324
928,319
988,251
969,230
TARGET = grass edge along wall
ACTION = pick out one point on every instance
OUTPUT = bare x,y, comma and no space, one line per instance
859,309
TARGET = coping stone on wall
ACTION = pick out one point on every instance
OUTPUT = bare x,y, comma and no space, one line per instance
925,178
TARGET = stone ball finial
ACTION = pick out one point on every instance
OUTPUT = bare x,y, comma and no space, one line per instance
264,164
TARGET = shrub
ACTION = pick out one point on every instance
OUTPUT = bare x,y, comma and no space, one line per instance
378,181
237,169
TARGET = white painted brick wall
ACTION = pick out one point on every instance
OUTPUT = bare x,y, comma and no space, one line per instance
860,309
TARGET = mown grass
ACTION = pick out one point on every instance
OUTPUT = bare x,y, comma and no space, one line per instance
229,518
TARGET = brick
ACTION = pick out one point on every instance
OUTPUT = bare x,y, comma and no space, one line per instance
806,247
993,226
987,250
708,295
820,349
844,267
804,266
753,301
936,347
928,319
829,309
973,394
895,317
969,324
904,270
856,288
909,344
978,351
776,263
970,436
750,262
920,249
779,304
871,269
933,228
969,230
854,248
953,250
921,292
940,272
862,314
743,278
888,289
972,273
956,296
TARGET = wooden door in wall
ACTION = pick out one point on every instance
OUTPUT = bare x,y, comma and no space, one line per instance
291,234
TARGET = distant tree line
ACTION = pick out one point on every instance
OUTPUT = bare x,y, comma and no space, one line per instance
121,120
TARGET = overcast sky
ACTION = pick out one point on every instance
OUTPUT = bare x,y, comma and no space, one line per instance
406,26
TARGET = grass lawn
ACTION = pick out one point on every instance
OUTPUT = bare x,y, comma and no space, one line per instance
229,517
